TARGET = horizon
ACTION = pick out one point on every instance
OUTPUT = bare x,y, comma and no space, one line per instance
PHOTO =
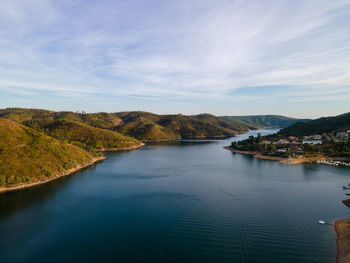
179,113
233,58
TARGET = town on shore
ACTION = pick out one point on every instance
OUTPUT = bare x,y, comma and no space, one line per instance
329,148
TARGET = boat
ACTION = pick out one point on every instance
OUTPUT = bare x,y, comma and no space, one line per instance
346,188
321,222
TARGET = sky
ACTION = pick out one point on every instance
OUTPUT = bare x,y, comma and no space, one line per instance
224,57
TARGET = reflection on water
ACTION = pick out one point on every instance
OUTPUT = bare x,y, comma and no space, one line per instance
183,201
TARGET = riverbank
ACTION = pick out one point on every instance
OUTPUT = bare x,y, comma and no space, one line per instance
51,178
130,148
290,160
342,227
346,202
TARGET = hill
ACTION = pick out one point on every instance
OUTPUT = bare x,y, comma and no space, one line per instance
83,135
141,125
76,128
28,156
148,126
263,121
318,126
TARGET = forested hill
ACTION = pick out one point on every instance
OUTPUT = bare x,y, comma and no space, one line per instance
27,155
263,121
318,126
141,125
73,127
149,126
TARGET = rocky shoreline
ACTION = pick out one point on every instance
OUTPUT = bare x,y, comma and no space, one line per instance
342,227
283,160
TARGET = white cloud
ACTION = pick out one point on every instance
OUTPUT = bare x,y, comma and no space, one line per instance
175,49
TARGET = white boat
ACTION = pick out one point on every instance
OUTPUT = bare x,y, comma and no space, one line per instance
321,222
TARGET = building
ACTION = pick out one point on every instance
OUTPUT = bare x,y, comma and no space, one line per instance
283,141
265,142
342,135
310,141
313,137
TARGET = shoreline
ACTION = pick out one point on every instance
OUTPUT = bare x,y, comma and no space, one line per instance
54,177
342,228
284,160
191,138
134,147
22,186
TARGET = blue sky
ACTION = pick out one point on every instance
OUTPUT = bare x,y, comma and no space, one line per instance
184,56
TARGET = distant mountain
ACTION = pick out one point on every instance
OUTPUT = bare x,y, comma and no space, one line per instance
263,121
140,125
318,126
149,126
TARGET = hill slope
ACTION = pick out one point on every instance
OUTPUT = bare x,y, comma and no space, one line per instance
148,126
263,121
140,125
85,136
318,126
27,155
74,127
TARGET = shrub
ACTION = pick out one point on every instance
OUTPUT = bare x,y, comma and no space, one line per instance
47,173
69,164
2,180
13,179
25,179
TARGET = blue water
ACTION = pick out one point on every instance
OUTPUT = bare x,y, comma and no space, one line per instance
189,201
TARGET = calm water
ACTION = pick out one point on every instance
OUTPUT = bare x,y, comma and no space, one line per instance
178,202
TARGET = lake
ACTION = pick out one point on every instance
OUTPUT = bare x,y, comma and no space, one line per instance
184,201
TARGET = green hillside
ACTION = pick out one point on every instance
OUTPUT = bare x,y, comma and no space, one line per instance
99,120
140,125
263,121
148,126
82,135
27,155
74,127
318,126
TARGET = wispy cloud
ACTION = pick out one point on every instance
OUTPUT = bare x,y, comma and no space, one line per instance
199,49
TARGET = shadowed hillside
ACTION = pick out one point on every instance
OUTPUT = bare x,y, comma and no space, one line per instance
318,126
263,121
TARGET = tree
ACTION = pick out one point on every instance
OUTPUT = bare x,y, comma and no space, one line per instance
259,138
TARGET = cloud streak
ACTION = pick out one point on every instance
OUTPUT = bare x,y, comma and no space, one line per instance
199,50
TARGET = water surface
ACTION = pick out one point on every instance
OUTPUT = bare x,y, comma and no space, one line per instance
185,201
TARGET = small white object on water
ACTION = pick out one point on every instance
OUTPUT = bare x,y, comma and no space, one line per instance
321,222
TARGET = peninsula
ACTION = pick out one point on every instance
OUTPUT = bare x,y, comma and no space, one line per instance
325,140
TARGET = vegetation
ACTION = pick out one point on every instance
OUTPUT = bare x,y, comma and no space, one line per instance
325,136
38,144
319,126
148,126
293,148
28,155
82,135
263,121
140,125
73,127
